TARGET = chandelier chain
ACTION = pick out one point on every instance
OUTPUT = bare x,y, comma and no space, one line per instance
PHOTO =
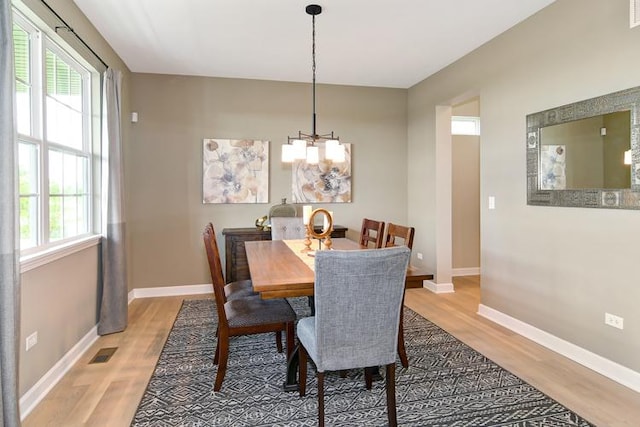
313,69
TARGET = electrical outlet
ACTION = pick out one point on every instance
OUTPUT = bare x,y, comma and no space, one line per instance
32,340
613,320
419,255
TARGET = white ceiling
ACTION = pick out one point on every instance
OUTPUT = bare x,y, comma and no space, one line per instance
365,43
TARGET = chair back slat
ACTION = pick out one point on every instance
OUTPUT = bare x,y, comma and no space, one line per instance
215,267
372,233
399,235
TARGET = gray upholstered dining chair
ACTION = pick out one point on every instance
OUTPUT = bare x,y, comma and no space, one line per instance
358,297
287,228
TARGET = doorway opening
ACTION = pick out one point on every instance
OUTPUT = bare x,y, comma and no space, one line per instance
465,188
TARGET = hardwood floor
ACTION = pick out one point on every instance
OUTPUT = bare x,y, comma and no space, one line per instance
108,394
596,398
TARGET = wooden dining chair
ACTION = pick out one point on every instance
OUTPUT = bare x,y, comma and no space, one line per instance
239,288
232,290
357,317
372,233
243,316
398,235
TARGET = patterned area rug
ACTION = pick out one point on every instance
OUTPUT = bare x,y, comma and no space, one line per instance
447,384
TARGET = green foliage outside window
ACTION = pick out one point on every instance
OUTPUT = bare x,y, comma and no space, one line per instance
21,53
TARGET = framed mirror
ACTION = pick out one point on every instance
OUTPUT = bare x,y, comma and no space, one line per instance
586,154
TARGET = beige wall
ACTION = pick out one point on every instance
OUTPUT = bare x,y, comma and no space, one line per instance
465,199
60,300
61,307
164,161
558,269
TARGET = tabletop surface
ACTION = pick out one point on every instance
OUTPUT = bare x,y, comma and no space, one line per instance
278,271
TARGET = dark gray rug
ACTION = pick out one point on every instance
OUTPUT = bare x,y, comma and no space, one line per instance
447,384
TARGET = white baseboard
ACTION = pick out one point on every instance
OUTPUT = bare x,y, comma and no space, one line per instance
467,271
170,291
606,367
35,394
438,288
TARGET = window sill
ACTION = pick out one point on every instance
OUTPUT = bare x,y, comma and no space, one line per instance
29,262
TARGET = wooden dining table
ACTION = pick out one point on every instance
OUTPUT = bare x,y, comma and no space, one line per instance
278,270
283,268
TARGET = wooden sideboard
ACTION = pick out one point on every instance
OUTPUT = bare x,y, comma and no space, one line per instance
237,267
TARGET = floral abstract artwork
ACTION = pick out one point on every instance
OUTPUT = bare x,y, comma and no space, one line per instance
553,167
235,171
326,182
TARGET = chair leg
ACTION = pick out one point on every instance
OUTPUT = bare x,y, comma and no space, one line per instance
401,350
368,377
223,355
290,328
302,370
320,399
312,304
216,357
391,394
279,341
217,353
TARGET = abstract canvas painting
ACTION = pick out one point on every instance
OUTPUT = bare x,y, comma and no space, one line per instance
326,182
553,167
235,171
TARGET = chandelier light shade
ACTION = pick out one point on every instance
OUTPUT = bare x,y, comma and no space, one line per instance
305,146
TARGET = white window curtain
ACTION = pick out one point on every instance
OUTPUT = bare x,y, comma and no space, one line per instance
113,309
9,243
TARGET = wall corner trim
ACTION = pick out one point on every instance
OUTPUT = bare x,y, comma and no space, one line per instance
599,364
466,271
438,288
170,291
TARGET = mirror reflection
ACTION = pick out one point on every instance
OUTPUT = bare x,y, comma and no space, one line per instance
587,153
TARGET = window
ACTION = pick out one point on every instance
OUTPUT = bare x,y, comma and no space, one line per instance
54,140
465,125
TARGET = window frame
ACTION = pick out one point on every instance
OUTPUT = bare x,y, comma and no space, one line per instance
41,40
465,119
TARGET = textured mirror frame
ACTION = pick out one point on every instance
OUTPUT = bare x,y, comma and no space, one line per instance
628,99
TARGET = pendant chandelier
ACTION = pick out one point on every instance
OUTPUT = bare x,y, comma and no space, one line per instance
305,146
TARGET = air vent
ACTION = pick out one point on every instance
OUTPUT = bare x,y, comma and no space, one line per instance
103,355
634,15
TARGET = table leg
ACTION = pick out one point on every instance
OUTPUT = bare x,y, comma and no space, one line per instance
293,362
312,305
